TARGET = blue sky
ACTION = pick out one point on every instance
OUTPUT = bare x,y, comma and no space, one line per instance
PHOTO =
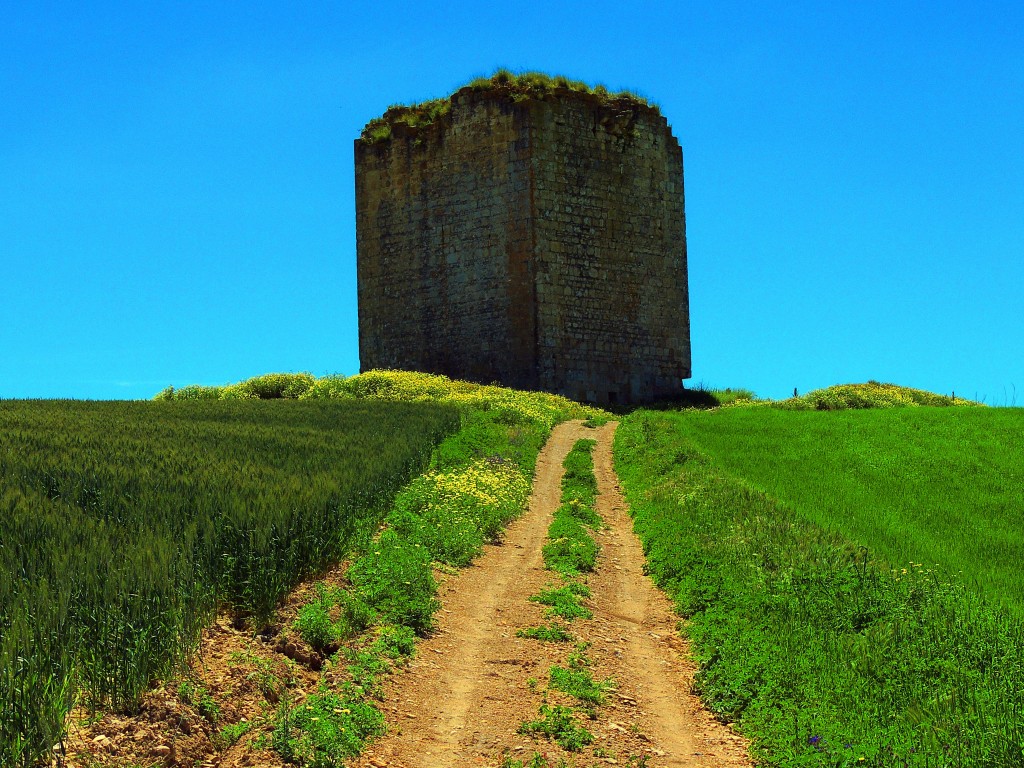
176,180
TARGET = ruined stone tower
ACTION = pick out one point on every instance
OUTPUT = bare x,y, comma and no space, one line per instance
531,237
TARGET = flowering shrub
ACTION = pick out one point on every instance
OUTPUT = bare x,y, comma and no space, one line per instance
510,406
513,406
872,394
453,513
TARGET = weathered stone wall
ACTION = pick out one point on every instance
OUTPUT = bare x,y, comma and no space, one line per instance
540,244
442,237
612,302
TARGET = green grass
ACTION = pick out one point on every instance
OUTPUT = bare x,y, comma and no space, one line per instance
229,735
566,601
325,729
570,549
940,487
555,632
125,524
577,681
571,552
332,616
821,652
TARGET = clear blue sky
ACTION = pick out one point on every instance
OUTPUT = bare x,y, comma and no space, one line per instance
176,180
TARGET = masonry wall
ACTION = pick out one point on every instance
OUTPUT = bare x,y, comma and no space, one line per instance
611,289
443,241
540,244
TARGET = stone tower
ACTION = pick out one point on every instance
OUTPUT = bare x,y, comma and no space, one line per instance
536,240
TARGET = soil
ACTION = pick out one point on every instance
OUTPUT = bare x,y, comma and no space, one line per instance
462,698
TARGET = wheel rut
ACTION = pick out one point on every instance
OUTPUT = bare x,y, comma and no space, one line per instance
473,681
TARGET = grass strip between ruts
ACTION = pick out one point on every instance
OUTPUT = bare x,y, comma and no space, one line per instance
571,552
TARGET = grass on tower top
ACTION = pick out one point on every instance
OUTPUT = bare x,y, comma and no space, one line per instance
518,87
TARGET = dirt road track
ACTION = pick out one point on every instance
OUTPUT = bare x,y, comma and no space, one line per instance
473,682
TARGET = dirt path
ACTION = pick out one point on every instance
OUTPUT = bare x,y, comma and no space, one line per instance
461,701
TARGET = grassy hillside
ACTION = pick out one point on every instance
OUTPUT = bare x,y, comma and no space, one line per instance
940,487
820,651
125,526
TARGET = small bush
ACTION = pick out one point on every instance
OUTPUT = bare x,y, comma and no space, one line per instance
323,730
395,580
354,614
559,724
729,396
314,623
579,683
872,394
395,641
194,392
565,601
328,388
196,695
229,735
366,669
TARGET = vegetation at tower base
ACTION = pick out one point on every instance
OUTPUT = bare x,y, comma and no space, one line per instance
124,526
822,651
516,87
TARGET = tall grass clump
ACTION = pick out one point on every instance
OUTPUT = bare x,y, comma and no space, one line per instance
36,664
822,653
